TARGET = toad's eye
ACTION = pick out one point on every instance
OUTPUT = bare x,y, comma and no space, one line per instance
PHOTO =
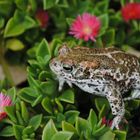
67,68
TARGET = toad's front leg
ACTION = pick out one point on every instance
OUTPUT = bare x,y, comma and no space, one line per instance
116,103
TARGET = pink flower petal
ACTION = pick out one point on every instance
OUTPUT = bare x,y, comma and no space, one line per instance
85,27
4,101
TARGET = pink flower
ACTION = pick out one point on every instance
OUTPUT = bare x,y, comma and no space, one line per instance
131,11
43,17
4,101
85,27
106,122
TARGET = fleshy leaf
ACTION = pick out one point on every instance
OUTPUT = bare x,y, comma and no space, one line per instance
121,135
71,116
49,131
82,125
7,132
67,96
104,23
47,105
108,136
47,4
35,121
92,119
18,24
24,112
68,127
18,131
62,135
10,110
28,94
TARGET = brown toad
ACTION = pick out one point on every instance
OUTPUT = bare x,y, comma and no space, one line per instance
107,72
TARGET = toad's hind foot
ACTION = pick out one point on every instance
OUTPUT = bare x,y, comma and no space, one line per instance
117,120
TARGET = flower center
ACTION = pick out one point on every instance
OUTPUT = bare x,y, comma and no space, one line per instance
87,30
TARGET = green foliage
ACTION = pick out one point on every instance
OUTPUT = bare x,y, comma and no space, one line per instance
49,131
83,129
7,132
6,7
43,53
14,44
104,23
22,22
49,3
67,96
20,123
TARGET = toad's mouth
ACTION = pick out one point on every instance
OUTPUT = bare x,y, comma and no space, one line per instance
94,83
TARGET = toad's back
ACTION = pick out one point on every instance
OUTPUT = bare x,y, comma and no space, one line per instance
106,59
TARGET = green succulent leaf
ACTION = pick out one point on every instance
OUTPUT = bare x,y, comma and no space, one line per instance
21,4
99,102
59,105
24,112
121,135
71,116
69,21
33,4
102,112
33,83
45,75
37,100
28,94
62,135
100,131
68,127
7,132
67,96
47,4
108,136
49,131
14,44
49,87
104,23
5,7
43,53
47,105
109,37
81,125
12,93
28,130
102,6
35,121
19,118
92,118
123,2
18,131
55,44
10,110
120,37
18,24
